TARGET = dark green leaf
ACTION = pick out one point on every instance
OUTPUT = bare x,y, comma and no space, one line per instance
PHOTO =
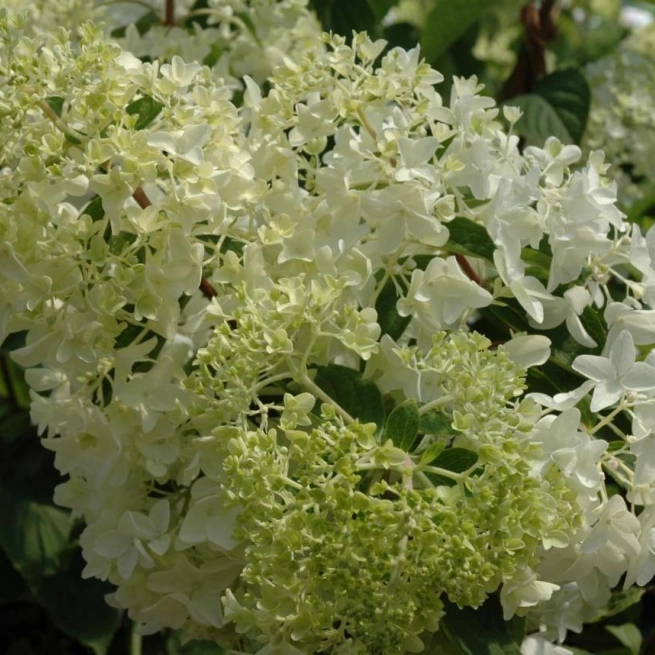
14,427
344,17
195,647
402,425
436,423
628,634
445,23
213,56
483,631
381,7
568,92
56,103
593,321
510,314
13,341
559,106
33,534
359,397
201,19
402,35
77,606
540,120
639,209
389,320
95,209
538,262
469,238
456,460
13,587
620,601
147,108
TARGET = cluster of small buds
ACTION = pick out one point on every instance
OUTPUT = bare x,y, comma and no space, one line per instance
184,269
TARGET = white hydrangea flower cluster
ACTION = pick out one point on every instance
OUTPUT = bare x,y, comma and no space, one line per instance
44,15
196,280
234,37
621,119
240,37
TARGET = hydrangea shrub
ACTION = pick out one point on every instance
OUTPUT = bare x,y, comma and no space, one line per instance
251,335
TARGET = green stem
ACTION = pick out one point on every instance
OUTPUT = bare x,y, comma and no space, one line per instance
51,114
458,477
6,374
307,382
608,419
135,641
437,402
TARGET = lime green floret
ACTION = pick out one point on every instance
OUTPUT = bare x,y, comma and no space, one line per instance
343,555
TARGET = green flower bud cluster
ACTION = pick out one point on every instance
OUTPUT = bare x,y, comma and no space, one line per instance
342,555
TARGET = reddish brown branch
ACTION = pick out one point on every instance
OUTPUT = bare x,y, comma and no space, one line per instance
207,289
169,17
539,27
141,198
469,271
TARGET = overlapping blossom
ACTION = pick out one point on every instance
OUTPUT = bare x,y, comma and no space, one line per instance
187,272
233,37
621,119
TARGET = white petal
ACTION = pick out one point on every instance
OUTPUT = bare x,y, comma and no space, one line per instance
605,394
622,353
641,377
528,350
594,367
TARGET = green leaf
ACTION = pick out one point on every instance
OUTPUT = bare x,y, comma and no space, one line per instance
13,341
470,239
483,631
95,209
402,425
13,587
346,17
456,460
593,321
213,55
359,397
435,422
568,92
445,23
202,19
559,107
77,606
56,103
433,451
401,35
539,120
147,108
72,139
381,7
33,534
389,320
628,634
620,601
195,647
